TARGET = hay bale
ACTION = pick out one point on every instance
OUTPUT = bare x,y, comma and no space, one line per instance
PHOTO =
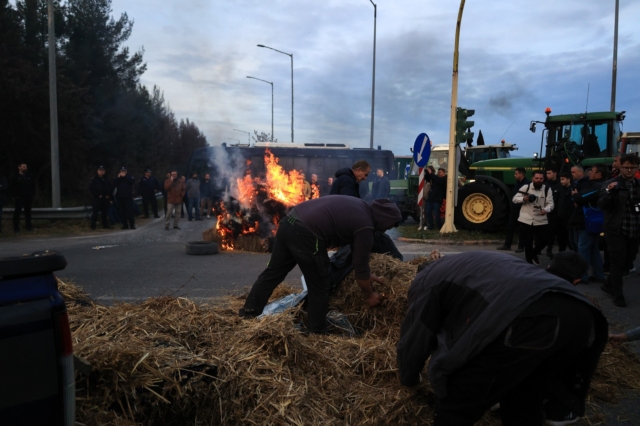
169,361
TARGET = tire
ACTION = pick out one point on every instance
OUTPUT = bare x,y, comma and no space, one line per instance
201,248
482,206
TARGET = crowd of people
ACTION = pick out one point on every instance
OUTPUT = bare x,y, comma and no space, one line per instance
596,214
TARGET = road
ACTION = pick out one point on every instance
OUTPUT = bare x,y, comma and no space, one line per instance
149,261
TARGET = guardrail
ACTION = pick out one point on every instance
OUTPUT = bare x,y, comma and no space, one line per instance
83,212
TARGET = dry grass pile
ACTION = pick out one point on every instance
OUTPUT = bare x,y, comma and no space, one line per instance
170,361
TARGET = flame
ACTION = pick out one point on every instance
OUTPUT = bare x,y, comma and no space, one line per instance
278,184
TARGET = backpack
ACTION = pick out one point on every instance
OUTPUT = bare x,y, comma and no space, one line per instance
593,220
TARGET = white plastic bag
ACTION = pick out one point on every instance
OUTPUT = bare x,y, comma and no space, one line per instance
289,301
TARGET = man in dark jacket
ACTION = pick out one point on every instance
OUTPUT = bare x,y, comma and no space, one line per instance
22,189
565,209
123,185
518,339
514,211
588,241
347,180
381,186
4,188
147,188
437,193
620,200
553,216
207,190
101,192
303,238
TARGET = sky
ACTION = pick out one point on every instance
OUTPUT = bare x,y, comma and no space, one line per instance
516,59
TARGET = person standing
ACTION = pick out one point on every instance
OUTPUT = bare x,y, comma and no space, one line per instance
101,192
306,187
381,186
348,180
315,187
164,193
498,330
326,188
175,194
588,240
565,209
22,189
554,221
4,188
303,238
514,212
147,188
193,197
123,185
437,193
537,202
620,200
207,191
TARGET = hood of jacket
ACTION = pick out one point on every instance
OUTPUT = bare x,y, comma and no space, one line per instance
386,214
345,172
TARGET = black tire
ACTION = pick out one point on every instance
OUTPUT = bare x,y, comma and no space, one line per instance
486,207
201,248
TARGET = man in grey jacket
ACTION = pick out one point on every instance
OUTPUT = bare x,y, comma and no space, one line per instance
517,338
193,196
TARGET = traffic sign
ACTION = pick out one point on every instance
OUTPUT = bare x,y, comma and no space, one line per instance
422,149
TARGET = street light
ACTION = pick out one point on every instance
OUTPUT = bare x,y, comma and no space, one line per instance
271,83
373,79
248,135
291,56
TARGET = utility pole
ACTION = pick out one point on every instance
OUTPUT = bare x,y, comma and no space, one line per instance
53,112
373,79
614,72
452,174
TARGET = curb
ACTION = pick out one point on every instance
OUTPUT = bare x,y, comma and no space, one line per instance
450,242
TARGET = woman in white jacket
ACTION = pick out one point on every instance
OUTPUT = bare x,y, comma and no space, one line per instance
537,200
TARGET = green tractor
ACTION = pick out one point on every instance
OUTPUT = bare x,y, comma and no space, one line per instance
569,139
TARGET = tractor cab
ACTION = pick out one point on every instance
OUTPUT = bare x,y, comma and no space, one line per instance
573,138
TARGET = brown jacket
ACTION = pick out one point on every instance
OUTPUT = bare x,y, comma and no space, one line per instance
175,190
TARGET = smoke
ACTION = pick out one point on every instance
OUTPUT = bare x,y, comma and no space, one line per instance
229,169
503,103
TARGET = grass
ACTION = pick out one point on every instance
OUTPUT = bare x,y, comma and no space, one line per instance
57,228
411,231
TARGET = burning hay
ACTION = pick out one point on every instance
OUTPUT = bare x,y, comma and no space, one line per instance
170,361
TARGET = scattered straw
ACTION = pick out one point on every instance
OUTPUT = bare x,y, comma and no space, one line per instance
169,361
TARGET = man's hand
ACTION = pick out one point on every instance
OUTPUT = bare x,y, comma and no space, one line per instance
616,339
373,300
377,279
543,212
612,185
525,198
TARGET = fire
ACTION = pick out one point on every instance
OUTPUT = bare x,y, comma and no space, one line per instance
257,198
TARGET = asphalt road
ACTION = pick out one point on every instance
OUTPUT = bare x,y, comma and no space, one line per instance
149,261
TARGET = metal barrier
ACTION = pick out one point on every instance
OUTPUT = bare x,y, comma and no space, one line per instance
61,213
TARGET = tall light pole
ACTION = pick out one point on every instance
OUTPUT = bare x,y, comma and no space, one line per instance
291,56
373,79
452,174
248,134
615,60
53,111
271,83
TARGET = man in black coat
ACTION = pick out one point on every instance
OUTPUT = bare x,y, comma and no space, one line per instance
553,216
514,211
347,180
101,193
22,188
381,186
437,193
147,188
124,194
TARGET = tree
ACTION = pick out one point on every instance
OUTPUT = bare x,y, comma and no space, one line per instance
263,137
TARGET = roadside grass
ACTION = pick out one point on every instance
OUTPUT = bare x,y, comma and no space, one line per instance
410,230
57,228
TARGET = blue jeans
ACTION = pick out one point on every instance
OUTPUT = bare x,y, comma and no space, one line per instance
194,203
433,209
589,250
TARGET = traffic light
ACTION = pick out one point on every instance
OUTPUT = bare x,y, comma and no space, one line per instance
463,126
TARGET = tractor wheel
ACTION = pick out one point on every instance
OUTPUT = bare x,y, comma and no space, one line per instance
482,206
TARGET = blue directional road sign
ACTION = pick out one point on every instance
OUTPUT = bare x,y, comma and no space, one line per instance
422,150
